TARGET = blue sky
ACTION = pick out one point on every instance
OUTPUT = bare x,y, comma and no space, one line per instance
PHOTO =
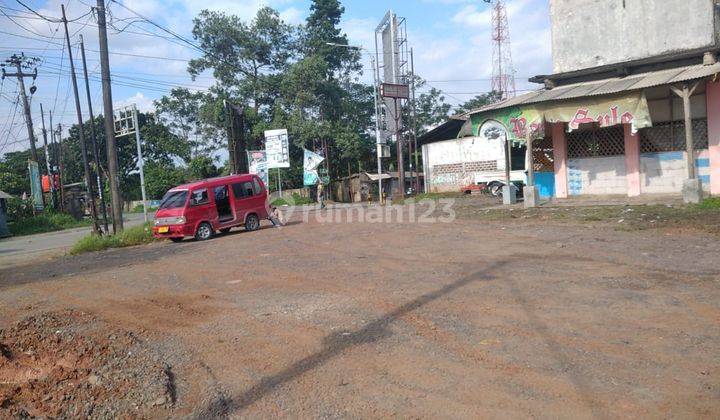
451,39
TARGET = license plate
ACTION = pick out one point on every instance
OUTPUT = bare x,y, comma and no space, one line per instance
163,229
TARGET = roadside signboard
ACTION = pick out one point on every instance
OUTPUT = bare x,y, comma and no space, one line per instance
311,161
276,149
391,90
257,164
35,184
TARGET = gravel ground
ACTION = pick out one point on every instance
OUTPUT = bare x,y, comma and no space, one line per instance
511,318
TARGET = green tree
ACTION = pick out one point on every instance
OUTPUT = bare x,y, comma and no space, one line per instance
479,101
430,107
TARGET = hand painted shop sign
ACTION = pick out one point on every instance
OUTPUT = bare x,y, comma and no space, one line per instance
523,122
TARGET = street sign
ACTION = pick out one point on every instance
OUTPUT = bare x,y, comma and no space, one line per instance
390,90
35,184
277,149
257,164
124,120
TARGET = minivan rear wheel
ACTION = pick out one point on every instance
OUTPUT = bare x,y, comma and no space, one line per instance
204,232
252,222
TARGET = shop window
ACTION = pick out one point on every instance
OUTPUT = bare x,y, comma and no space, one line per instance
596,142
670,136
543,160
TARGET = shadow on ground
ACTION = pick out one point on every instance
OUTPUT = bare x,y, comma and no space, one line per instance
337,343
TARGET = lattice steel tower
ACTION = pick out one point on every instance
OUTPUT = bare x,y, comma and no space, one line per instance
503,75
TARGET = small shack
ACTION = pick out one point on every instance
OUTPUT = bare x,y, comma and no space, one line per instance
4,231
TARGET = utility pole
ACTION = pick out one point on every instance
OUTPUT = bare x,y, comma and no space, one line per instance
109,125
141,162
47,159
54,157
89,199
61,167
414,122
96,152
20,62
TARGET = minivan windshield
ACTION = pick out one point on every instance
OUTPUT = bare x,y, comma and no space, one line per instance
174,199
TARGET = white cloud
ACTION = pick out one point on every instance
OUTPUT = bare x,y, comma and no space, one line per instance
143,103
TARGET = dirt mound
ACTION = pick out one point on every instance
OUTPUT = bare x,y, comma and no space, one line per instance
70,364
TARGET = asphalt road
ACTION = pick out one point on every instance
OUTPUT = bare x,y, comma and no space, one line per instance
23,249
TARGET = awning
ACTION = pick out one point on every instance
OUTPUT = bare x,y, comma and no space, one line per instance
608,86
374,177
528,121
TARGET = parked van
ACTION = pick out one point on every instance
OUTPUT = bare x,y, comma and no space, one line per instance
202,208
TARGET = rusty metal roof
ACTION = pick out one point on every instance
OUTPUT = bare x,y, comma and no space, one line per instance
607,86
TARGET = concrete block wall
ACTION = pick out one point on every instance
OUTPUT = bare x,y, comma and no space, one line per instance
602,175
452,164
664,172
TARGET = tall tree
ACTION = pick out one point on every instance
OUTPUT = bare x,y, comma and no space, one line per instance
480,101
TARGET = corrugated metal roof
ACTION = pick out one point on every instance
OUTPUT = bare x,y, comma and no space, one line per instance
3,194
608,86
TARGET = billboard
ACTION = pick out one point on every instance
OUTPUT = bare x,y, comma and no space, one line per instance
257,164
311,161
277,149
35,184
388,31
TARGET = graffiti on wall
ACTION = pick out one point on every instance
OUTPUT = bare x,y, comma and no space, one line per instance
604,119
529,120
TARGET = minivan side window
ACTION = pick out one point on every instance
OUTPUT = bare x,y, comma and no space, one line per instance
248,188
243,189
199,197
237,190
258,188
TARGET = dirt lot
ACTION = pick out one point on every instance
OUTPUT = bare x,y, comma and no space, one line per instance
492,317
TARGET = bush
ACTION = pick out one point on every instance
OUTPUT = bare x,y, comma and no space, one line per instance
46,222
296,200
710,204
137,235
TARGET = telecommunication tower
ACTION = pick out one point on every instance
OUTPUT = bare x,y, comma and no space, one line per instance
503,74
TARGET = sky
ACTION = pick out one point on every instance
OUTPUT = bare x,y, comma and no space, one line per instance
450,38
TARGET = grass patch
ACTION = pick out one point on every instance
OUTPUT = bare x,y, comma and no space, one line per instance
47,222
709,204
429,196
137,235
296,200
703,217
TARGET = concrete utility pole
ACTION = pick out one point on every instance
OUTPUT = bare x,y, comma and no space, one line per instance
54,156
20,61
93,137
89,199
110,142
141,162
414,122
61,167
51,181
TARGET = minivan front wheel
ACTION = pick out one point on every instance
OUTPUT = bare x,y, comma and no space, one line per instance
204,232
252,222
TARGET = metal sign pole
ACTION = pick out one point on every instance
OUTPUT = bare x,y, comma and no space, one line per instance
141,162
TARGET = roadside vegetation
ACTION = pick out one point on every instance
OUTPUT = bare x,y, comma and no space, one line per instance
429,196
137,235
296,200
23,222
702,217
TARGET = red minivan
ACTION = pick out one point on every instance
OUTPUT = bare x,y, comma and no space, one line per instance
204,207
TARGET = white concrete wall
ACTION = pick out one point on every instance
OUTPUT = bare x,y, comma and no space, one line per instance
602,175
588,33
465,154
664,172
